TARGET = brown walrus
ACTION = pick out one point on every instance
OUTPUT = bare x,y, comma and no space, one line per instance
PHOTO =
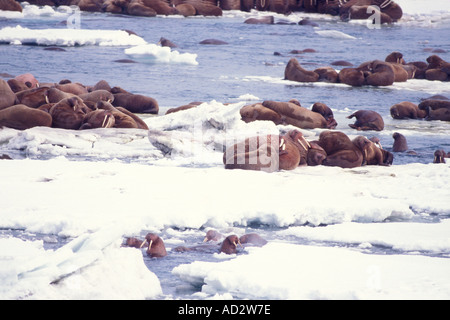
295,72
400,143
367,120
98,119
22,117
297,116
259,153
439,156
341,151
229,245
373,154
7,96
407,110
69,113
257,111
436,109
156,247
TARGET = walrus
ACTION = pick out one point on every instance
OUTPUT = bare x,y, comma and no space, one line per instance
229,245
212,235
122,119
374,154
439,156
297,116
260,153
400,143
74,88
352,77
252,239
33,98
10,5
437,69
97,95
55,95
138,8
407,110
257,111
28,79
395,57
436,109
22,117
161,7
382,74
136,103
295,72
100,85
327,74
98,119
7,96
156,247
366,12
186,9
289,154
262,20
69,113
17,86
367,120
387,8
213,42
326,112
299,141
316,154
341,151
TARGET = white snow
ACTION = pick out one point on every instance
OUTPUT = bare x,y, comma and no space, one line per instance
68,37
180,183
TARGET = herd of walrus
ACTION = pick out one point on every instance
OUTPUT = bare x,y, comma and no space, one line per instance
211,242
26,103
374,73
388,10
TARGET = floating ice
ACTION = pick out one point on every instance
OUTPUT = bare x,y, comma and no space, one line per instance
334,34
152,53
68,37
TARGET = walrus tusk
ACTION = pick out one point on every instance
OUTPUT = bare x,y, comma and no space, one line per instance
281,142
385,4
46,99
150,245
104,120
302,145
142,244
238,242
284,147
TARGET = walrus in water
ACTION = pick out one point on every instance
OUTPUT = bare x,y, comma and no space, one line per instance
156,247
22,117
400,143
367,120
229,245
439,156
